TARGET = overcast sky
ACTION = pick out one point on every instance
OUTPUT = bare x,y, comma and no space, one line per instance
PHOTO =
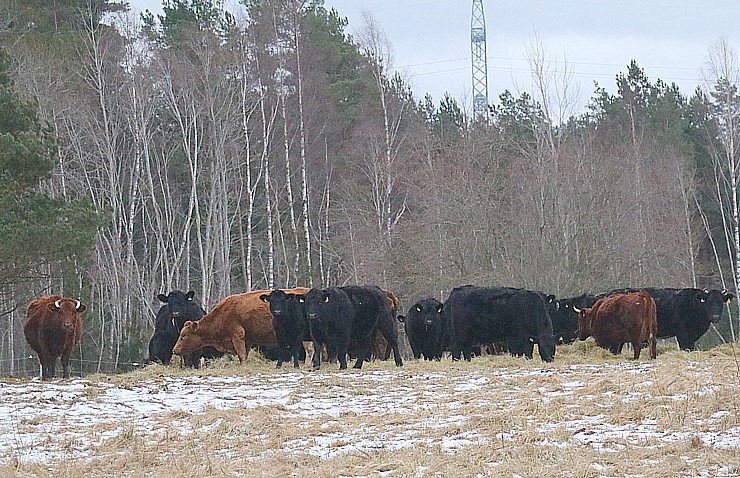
595,39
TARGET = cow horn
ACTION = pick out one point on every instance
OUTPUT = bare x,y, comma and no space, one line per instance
77,304
57,304
576,310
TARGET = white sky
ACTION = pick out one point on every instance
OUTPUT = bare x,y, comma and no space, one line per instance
595,39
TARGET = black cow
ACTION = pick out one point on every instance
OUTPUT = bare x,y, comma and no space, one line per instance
426,329
372,312
495,314
330,315
685,313
178,308
564,316
289,324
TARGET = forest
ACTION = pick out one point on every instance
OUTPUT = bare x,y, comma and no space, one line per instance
221,152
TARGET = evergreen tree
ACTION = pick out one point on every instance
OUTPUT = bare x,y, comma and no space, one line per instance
39,232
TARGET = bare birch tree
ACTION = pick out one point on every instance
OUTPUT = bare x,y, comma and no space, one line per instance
382,156
722,75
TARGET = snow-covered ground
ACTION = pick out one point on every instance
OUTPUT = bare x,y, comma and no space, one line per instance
603,409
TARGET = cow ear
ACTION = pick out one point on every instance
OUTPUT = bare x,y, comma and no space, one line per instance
550,298
401,318
162,298
265,298
326,299
191,324
190,294
51,306
301,298
418,309
81,308
439,309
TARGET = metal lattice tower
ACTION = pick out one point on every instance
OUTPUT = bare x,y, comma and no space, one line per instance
479,61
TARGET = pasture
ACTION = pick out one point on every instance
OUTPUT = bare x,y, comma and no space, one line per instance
588,414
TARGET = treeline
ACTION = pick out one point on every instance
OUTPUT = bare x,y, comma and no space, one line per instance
219,152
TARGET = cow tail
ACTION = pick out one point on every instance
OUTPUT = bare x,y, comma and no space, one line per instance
652,328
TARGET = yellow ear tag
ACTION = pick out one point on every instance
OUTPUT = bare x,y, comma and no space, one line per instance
418,309
301,300
327,299
702,300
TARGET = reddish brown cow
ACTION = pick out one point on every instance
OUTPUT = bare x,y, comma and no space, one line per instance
620,318
233,326
52,329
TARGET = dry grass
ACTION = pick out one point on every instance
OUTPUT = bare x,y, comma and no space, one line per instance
589,414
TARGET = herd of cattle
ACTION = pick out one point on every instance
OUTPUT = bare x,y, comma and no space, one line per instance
332,324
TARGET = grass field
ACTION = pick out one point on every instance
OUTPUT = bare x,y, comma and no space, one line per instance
588,414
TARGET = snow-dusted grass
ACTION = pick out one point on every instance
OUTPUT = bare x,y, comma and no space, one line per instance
586,415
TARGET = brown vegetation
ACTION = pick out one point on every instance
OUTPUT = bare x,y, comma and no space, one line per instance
587,414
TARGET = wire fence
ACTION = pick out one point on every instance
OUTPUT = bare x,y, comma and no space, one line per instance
30,367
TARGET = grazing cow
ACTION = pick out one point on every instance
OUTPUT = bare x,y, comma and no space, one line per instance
331,316
233,326
426,328
289,323
372,312
52,329
178,307
620,318
495,314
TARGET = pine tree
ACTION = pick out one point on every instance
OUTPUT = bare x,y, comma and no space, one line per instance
37,231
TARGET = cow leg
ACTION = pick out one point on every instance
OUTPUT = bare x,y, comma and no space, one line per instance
309,349
47,368
467,351
364,351
637,346
296,355
65,364
239,344
396,353
316,359
342,357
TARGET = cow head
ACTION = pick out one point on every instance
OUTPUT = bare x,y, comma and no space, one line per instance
177,303
68,312
280,302
546,346
713,301
190,339
314,301
584,322
428,312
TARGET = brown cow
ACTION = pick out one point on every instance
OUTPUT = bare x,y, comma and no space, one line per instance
233,326
620,318
52,329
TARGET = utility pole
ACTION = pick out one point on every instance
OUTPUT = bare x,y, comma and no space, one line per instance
479,61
